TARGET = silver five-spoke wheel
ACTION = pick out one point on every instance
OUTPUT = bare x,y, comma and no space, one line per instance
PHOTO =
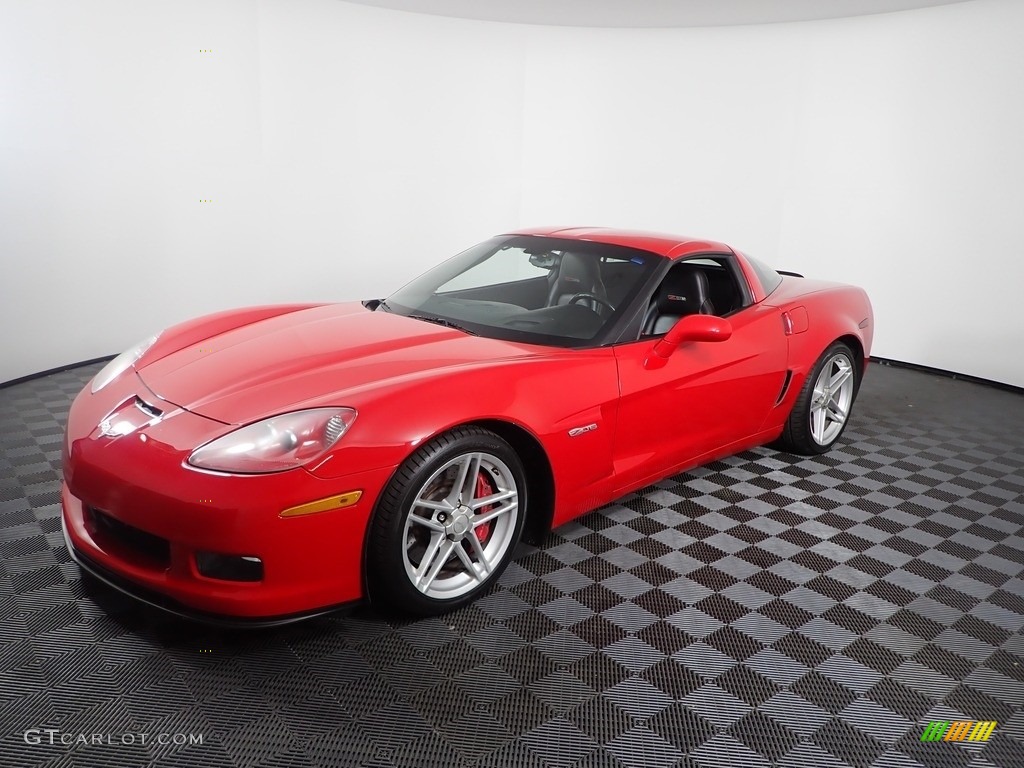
447,523
822,407
461,525
831,399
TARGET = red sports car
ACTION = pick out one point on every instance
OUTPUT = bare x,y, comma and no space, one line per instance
264,464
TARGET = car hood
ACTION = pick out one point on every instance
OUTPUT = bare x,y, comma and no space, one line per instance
333,353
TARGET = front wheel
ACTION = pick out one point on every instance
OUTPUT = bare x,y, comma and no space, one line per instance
447,524
823,406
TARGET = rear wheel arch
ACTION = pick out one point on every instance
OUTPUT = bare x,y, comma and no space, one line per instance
857,347
796,435
802,346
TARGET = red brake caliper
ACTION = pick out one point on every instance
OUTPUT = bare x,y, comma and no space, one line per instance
484,487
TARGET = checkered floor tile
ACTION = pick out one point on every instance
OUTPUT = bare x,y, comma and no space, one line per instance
762,610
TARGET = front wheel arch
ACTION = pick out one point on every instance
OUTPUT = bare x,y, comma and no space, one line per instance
539,480
539,476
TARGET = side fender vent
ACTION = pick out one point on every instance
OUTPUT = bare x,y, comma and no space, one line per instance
785,387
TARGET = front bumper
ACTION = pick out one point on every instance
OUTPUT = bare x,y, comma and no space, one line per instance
172,606
139,483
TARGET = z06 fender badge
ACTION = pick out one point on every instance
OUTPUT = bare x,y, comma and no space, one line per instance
577,431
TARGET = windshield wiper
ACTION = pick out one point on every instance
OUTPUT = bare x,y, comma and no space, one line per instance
442,321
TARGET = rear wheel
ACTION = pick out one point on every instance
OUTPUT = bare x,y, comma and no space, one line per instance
448,523
822,409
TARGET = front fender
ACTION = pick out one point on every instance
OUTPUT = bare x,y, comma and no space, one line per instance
548,397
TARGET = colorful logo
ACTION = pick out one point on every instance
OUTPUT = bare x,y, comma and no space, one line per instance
958,730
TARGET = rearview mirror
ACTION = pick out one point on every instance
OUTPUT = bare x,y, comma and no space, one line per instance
693,328
543,260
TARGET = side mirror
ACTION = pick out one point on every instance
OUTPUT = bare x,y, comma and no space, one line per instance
693,328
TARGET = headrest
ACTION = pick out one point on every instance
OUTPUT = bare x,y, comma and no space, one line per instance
576,269
683,291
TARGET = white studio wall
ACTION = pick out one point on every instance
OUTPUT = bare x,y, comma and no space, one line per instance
161,160
883,151
344,149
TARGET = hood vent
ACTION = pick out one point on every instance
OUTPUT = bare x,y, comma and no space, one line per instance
150,410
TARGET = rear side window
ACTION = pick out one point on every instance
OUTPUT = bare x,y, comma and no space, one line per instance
768,277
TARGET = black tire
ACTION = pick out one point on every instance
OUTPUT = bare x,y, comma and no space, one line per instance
392,538
797,436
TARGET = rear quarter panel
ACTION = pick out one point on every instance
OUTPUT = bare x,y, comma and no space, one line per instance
823,312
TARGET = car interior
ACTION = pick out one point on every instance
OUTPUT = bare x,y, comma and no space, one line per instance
574,294
578,276
704,286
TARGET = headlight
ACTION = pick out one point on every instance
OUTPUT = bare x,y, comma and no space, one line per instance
120,364
275,444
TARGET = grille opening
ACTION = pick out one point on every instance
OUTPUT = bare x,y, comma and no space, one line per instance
154,549
214,565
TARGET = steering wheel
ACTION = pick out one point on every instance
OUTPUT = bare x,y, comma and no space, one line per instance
591,297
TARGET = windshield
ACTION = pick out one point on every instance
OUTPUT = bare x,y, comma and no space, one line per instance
535,289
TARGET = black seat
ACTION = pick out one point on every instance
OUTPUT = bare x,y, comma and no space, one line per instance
577,274
684,291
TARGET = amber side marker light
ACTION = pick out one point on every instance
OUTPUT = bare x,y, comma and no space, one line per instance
340,501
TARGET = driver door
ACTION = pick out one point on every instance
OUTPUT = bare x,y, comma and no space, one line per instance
706,397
